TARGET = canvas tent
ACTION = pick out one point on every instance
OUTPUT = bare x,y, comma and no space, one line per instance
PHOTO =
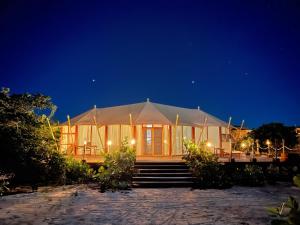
154,129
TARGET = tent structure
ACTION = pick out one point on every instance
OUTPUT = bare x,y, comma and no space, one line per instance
154,129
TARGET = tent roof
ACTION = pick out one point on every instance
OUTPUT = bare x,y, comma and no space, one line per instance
146,113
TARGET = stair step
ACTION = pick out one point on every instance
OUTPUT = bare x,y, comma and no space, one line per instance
163,174
163,170
162,184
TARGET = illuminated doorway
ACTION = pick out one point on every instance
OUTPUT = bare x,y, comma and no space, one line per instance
152,140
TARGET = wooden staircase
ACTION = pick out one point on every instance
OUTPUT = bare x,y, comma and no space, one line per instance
162,174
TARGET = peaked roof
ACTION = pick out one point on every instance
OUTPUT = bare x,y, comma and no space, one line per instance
147,113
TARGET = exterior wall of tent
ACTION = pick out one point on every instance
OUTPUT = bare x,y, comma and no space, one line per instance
90,140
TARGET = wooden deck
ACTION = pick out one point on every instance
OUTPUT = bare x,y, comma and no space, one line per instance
243,158
99,159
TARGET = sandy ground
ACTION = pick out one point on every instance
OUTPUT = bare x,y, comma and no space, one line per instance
83,205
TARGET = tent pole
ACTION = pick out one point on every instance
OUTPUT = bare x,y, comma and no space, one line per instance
70,130
51,131
200,136
97,128
131,127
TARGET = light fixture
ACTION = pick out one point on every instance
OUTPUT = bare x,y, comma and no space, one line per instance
84,142
165,141
109,142
243,145
208,144
132,141
268,142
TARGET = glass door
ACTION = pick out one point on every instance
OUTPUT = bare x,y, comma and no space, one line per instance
157,142
152,140
147,141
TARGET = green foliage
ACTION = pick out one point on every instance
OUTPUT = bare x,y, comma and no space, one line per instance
3,186
27,148
296,180
275,132
251,175
272,174
77,171
205,167
289,212
117,169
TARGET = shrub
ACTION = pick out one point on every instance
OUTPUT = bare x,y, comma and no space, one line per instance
289,212
205,167
77,171
251,175
117,169
272,174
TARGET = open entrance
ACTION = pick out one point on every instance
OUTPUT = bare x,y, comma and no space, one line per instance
152,140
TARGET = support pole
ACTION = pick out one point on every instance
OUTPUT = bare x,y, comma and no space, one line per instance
131,126
70,131
200,136
97,128
51,131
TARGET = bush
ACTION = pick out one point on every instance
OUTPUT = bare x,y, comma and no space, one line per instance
272,174
289,212
251,175
117,169
205,167
77,171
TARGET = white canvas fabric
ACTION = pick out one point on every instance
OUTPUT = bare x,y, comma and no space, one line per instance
147,113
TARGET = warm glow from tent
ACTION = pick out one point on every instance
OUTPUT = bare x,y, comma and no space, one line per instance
208,144
132,142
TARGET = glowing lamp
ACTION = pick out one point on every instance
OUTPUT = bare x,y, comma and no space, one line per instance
84,142
243,145
132,142
208,144
109,142
268,142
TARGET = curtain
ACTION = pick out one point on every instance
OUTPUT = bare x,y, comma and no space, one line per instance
177,140
114,136
139,141
126,133
166,139
96,141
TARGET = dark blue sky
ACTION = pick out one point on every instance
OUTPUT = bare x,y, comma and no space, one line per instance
243,56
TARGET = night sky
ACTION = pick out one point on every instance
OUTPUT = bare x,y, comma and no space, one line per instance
232,58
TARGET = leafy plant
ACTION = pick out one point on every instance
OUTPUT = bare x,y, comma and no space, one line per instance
205,167
27,147
272,174
289,212
251,175
117,169
3,186
77,171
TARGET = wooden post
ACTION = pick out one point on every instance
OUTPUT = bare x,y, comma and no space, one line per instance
97,128
200,136
193,134
70,131
170,140
106,138
51,131
220,137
